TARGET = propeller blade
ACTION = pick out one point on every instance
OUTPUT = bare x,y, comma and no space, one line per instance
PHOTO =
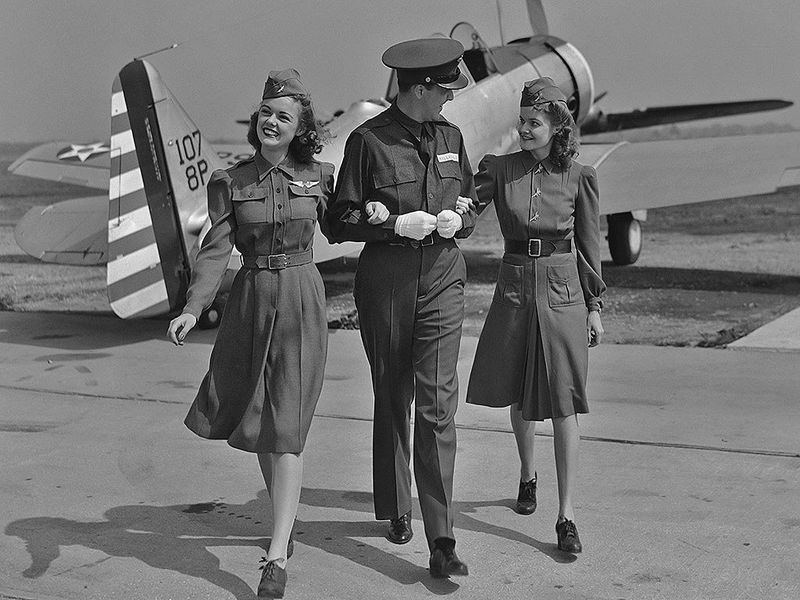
661,115
537,17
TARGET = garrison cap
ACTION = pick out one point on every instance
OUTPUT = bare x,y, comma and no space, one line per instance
541,91
427,61
283,83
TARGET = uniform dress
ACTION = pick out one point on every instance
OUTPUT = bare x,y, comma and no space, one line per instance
410,300
533,349
266,368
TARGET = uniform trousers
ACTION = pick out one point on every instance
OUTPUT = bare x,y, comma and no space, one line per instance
410,303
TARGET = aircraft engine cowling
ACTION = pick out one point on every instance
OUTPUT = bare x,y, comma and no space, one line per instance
582,96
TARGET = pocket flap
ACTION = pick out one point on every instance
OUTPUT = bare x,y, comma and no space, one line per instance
248,193
393,176
449,169
301,190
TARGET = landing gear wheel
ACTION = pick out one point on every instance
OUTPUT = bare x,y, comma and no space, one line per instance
209,319
624,238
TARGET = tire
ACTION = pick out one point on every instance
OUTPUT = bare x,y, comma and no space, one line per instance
624,238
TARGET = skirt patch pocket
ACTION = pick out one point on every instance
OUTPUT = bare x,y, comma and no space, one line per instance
563,285
510,281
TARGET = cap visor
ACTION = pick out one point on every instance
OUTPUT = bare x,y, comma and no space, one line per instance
458,84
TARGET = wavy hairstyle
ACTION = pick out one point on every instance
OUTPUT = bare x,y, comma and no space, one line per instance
303,147
565,141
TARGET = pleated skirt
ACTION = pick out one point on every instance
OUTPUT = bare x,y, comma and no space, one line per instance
533,349
267,366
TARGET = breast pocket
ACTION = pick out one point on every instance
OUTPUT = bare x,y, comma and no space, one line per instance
250,205
510,282
303,201
393,183
450,175
563,285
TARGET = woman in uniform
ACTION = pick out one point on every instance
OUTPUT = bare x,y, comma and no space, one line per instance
266,367
533,351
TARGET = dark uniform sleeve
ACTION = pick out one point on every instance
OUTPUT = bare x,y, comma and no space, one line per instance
587,238
467,191
212,260
346,218
486,182
326,184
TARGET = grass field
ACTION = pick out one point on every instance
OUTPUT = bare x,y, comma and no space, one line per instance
708,274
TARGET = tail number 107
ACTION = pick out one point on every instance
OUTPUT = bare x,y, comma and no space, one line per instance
196,167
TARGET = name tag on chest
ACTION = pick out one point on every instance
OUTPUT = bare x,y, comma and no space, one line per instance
447,157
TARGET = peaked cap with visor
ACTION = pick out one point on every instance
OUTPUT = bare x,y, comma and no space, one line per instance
427,61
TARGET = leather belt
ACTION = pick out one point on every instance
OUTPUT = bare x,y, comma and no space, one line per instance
536,248
428,240
278,261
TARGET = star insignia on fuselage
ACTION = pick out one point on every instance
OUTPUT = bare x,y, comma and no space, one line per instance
82,152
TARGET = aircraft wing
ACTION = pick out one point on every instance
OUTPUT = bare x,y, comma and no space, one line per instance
78,164
643,175
72,232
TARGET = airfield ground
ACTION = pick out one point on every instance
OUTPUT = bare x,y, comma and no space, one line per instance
708,274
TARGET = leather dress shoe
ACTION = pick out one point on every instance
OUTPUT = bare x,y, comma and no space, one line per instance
444,561
526,499
568,540
400,529
273,580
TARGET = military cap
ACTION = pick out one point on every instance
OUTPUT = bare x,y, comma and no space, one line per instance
541,91
427,61
283,83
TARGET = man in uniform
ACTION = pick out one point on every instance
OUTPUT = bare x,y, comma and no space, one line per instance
401,175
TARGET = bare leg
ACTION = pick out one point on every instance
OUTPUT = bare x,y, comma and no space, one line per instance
286,482
524,434
565,447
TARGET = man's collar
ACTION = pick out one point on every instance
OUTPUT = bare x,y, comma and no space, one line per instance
414,127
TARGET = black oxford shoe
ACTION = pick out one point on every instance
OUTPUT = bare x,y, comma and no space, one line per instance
568,540
273,580
526,499
400,529
444,560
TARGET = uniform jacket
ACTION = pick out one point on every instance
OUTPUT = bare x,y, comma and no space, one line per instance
262,210
382,163
565,207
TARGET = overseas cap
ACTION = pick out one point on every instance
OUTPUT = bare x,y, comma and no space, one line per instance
426,61
283,83
541,91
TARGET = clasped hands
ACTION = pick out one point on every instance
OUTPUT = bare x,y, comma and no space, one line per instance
416,225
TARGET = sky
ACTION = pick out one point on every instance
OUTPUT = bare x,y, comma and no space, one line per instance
59,59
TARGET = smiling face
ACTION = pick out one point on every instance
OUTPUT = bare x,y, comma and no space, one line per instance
278,123
535,128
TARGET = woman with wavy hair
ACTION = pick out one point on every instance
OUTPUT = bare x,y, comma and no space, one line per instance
266,368
533,351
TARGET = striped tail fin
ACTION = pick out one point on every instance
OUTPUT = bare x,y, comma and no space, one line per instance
157,203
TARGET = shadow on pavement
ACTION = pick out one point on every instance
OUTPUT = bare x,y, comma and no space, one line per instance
178,537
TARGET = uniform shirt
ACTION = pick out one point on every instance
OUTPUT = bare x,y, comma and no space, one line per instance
389,159
261,209
535,200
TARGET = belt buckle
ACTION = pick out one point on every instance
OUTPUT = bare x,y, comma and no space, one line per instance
427,240
538,245
277,261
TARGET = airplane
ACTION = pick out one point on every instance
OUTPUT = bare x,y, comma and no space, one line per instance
148,227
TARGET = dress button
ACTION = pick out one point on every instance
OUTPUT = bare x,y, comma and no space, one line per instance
250,194
277,190
280,205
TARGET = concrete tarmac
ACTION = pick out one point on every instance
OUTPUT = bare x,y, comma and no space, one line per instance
689,484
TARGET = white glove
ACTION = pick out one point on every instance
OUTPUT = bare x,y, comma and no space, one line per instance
463,204
415,225
448,222
377,213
